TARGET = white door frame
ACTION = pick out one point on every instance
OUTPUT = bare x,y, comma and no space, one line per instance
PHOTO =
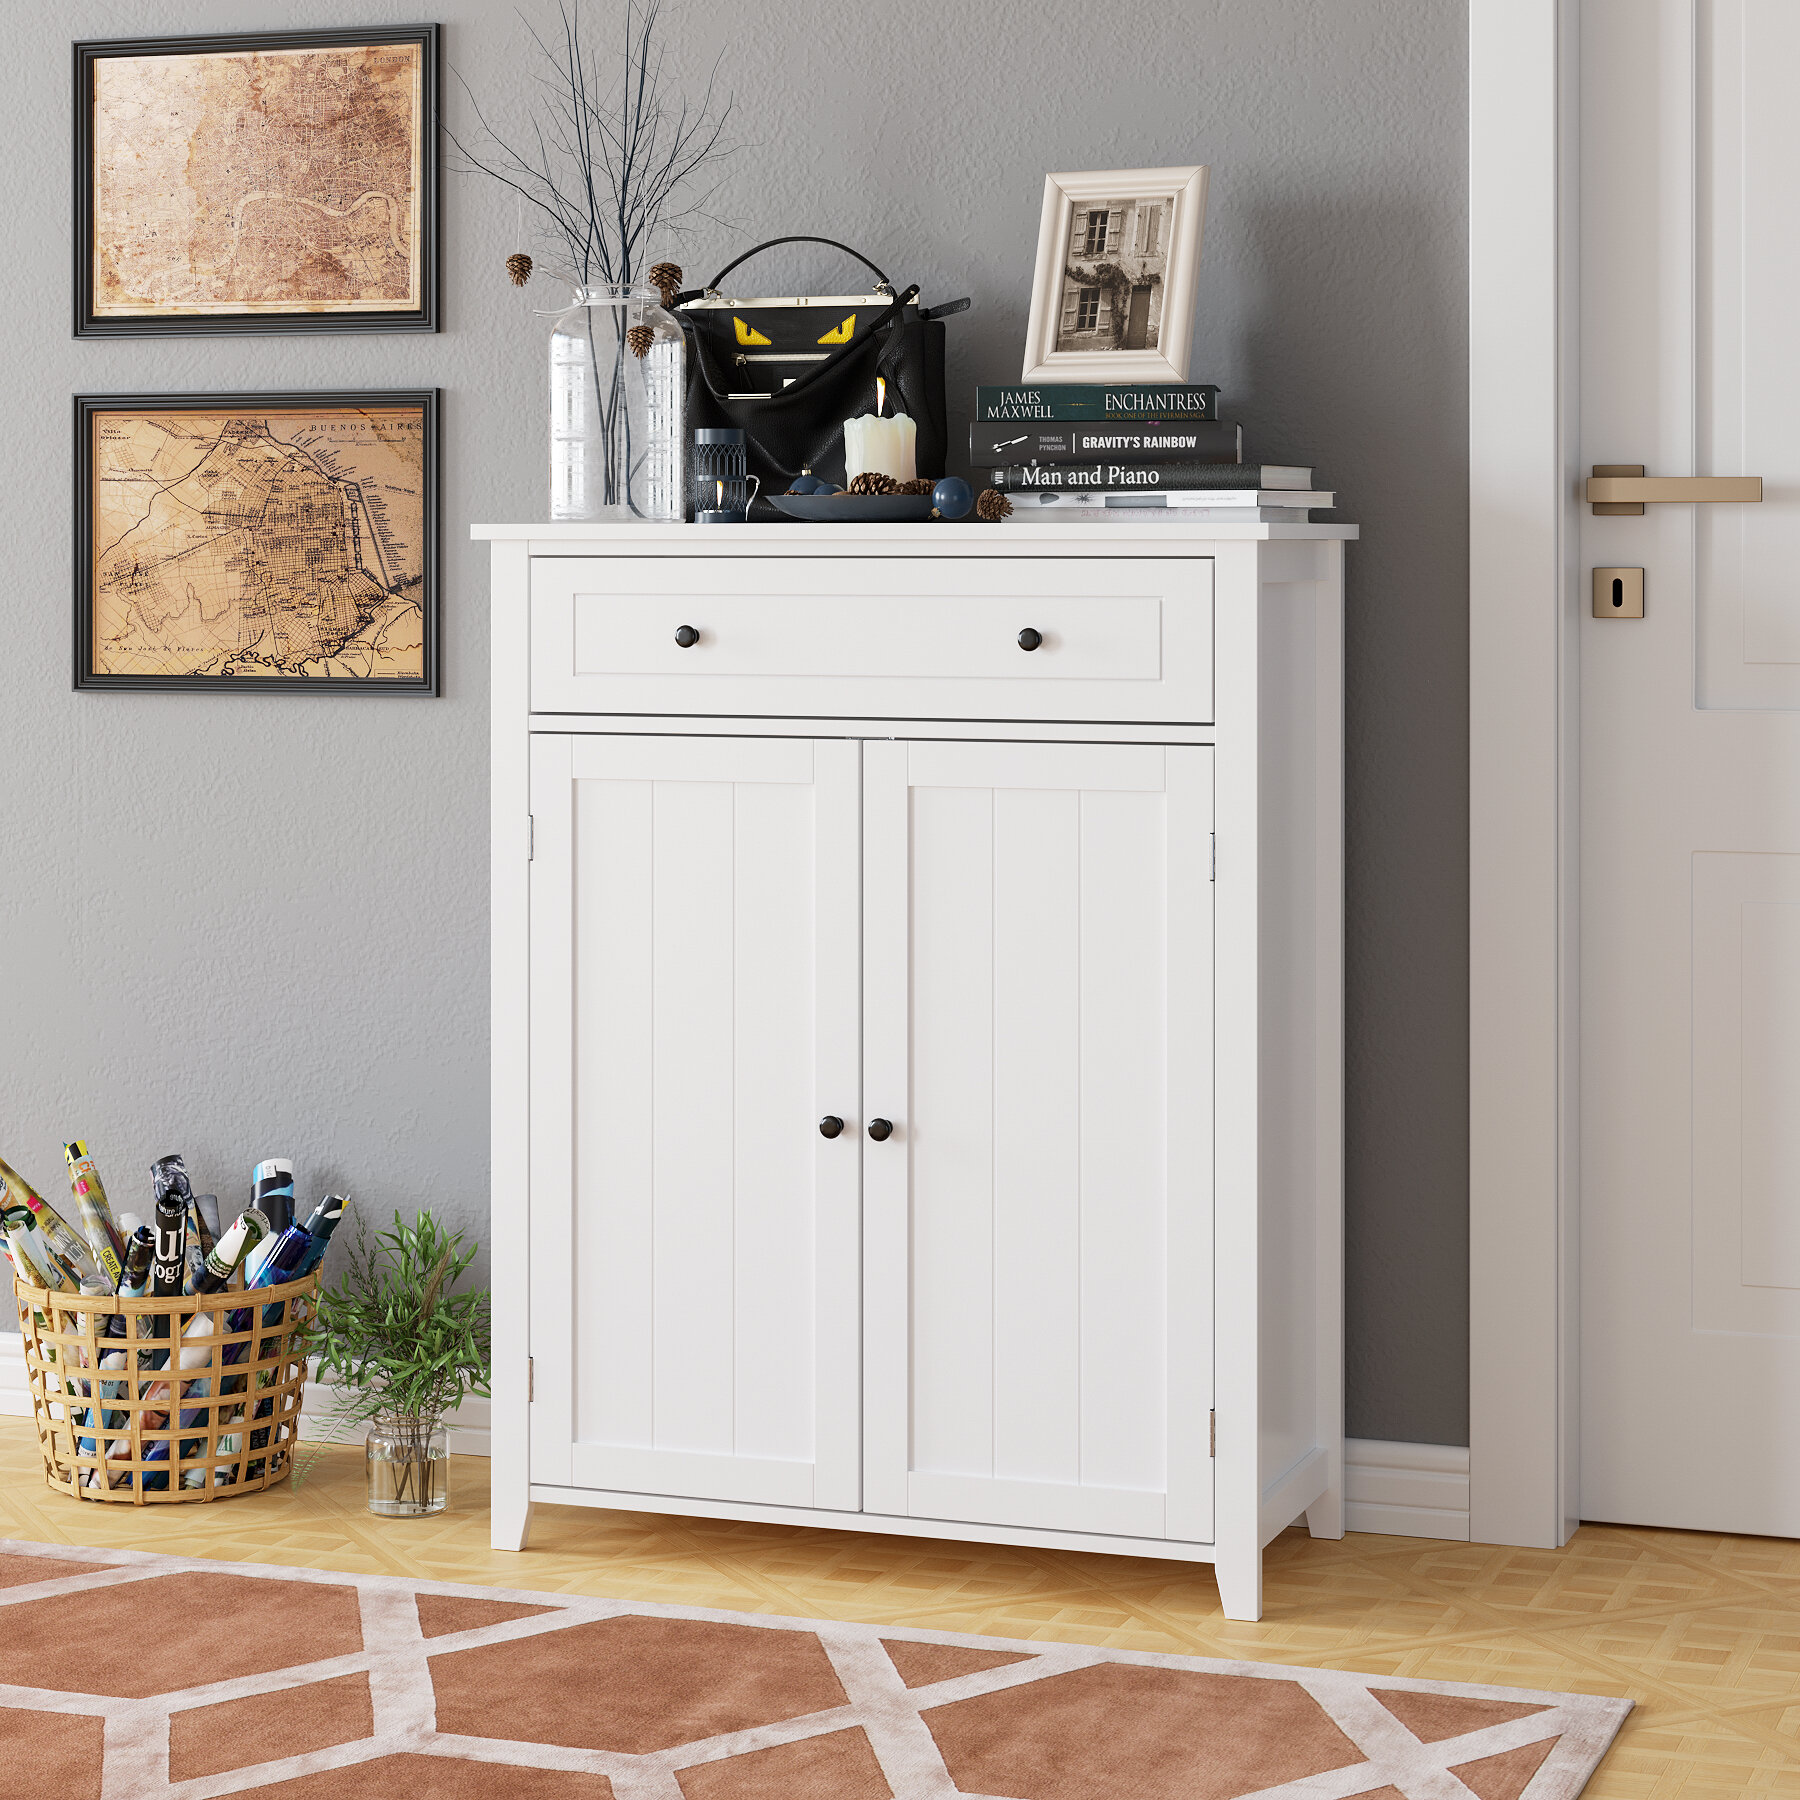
1524,699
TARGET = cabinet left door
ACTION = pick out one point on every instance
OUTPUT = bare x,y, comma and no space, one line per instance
695,1016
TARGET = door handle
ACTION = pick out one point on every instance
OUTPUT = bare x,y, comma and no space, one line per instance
1615,489
831,1126
881,1130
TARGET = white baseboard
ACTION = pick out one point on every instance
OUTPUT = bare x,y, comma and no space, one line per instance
1399,1490
1406,1490
468,1425
15,1401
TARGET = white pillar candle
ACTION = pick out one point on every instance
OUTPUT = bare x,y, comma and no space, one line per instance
883,445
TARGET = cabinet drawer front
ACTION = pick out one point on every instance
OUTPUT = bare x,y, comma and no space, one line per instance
1114,638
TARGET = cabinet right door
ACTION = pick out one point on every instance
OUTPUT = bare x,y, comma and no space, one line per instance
1038,1030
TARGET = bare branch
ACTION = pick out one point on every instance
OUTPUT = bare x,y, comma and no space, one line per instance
612,161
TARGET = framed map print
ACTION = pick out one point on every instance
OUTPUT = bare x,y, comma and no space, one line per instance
265,542
271,181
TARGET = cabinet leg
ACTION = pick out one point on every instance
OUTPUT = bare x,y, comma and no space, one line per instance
509,1521
1325,1517
1240,1585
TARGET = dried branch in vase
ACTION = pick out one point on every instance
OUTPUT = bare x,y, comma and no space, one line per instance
617,157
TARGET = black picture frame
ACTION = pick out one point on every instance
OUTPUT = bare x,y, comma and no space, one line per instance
88,407
424,317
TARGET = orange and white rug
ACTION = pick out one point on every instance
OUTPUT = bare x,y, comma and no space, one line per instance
125,1676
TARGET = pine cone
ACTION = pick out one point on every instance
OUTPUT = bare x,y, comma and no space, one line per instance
993,506
872,481
640,338
667,276
518,266
920,484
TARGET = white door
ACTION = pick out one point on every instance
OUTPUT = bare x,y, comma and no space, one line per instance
1038,1032
694,1016
1690,751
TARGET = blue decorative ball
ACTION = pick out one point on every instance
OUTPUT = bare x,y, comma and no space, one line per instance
808,483
952,498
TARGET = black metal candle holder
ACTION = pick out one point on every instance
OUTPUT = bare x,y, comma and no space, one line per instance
721,475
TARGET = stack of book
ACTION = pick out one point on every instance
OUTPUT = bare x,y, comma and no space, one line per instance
1125,447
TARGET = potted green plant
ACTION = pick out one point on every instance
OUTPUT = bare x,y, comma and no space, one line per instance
406,1347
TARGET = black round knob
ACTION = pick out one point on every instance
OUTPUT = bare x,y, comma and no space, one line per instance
831,1126
1030,638
881,1130
686,636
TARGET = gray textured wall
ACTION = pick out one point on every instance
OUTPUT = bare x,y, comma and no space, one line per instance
256,925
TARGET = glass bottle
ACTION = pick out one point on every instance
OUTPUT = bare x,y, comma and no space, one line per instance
408,1468
618,408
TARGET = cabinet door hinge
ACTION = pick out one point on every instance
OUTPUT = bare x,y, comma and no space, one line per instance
531,1378
1213,873
1212,1434
530,838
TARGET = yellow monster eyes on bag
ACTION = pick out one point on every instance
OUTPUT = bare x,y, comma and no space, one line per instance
748,334
840,332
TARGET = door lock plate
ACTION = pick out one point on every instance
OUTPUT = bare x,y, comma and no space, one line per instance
1618,593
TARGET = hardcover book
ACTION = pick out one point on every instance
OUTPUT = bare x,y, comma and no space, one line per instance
1019,478
1198,509
1096,401
1197,440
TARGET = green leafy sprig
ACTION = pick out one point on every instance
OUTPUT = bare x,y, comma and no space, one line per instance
401,1340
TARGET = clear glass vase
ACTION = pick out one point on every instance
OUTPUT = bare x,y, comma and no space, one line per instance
618,409
408,1468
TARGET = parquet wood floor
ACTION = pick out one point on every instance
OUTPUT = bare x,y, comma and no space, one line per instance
1702,1632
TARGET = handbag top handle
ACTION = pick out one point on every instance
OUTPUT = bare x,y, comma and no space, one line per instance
712,287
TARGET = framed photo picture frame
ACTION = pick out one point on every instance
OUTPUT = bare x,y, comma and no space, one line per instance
1118,260
262,182
267,542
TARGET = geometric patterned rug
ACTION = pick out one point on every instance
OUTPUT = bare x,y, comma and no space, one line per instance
125,1675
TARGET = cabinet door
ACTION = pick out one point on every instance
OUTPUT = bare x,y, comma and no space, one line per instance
694,1014
1038,1228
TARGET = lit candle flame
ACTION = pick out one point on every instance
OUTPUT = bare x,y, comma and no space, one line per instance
721,487
880,394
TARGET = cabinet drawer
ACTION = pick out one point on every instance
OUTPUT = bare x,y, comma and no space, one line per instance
1119,638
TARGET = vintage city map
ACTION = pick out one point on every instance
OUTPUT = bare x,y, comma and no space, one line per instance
266,181
271,543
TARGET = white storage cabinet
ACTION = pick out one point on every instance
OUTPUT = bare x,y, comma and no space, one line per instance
917,1030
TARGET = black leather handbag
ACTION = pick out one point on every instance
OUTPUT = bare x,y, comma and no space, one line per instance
789,372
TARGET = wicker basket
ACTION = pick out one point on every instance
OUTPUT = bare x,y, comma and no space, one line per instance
230,1431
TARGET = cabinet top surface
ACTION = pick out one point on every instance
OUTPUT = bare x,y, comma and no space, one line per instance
1138,537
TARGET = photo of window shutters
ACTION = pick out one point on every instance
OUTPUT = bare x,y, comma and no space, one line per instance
1114,220
1071,303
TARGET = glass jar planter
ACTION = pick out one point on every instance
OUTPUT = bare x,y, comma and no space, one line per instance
618,409
408,1468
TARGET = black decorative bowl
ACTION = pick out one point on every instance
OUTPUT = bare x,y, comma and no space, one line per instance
853,509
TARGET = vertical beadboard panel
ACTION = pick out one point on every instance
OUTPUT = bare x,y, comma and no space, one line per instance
615,1162
773,1262
692,957
950,889
1036,932
1124,1197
